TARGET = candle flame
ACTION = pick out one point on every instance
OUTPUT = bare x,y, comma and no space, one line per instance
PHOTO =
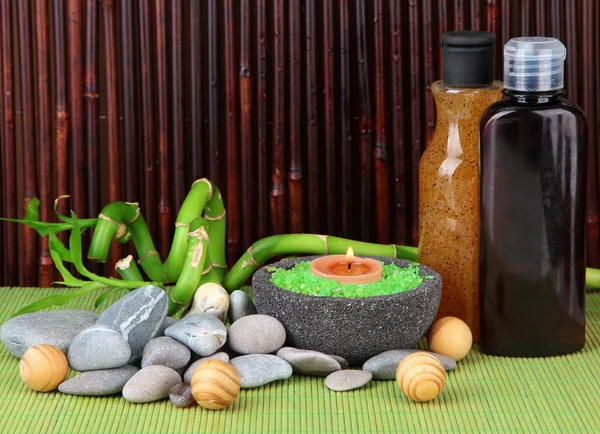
350,255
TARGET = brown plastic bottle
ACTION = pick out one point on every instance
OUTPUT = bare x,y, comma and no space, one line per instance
533,184
449,172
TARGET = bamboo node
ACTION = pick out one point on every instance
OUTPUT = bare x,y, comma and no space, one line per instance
324,239
91,95
150,253
181,225
95,259
137,211
124,264
207,270
216,265
251,261
395,251
210,187
217,217
175,301
201,234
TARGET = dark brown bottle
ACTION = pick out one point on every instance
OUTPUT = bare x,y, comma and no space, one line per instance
533,148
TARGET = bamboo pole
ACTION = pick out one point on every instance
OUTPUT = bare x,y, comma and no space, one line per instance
176,110
61,110
315,219
493,26
262,119
248,184
572,29
541,17
214,168
429,68
30,190
196,92
399,120
295,180
147,110
112,115
476,15
278,187
165,216
526,18
75,64
365,122
331,150
588,10
460,15
415,112
506,12
556,19
9,155
380,151
44,134
443,18
346,143
231,134
128,109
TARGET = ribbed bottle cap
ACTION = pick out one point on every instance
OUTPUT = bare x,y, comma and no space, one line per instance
468,58
534,64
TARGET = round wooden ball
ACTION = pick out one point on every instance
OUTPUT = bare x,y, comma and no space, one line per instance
451,337
421,377
43,367
215,384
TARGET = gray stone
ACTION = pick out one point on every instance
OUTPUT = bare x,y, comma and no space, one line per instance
187,377
259,369
181,395
203,333
308,362
151,383
384,365
166,351
347,379
168,322
98,347
240,305
57,328
138,316
98,383
353,328
211,298
256,334
343,362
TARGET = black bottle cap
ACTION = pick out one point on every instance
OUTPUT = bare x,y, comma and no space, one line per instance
468,58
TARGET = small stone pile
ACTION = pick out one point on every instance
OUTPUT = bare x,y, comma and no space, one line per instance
135,349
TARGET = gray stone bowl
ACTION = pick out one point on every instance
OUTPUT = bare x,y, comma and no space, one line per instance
354,328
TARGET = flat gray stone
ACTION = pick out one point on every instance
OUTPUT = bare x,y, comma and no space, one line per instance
353,328
256,334
166,351
151,383
203,333
347,379
57,328
98,383
98,347
138,316
187,376
384,365
181,395
240,305
259,369
308,362
168,322
343,362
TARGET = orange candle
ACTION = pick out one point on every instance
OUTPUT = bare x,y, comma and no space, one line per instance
347,269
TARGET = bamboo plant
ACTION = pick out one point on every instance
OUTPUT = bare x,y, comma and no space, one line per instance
197,252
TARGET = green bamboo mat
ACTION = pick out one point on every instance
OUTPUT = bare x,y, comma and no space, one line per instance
485,394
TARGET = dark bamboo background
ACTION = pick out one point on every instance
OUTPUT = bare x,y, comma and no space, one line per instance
310,115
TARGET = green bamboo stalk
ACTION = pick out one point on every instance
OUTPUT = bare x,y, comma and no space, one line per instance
112,222
127,269
215,214
265,249
592,278
191,274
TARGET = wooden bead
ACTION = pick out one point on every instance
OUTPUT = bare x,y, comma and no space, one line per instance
421,377
43,367
215,384
451,337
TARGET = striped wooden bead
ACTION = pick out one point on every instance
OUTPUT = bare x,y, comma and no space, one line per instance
421,377
43,367
215,384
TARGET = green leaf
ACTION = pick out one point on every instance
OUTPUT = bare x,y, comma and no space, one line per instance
56,244
106,295
44,228
60,216
69,279
59,300
32,211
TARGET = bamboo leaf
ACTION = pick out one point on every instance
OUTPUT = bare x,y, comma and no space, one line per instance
56,244
62,217
44,228
106,295
69,279
59,300
32,211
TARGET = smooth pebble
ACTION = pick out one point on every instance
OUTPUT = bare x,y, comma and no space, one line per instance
98,383
181,395
168,322
151,383
256,370
308,362
98,347
166,351
187,376
384,365
343,362
347,379
240,305
256,334
203,333
211,298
